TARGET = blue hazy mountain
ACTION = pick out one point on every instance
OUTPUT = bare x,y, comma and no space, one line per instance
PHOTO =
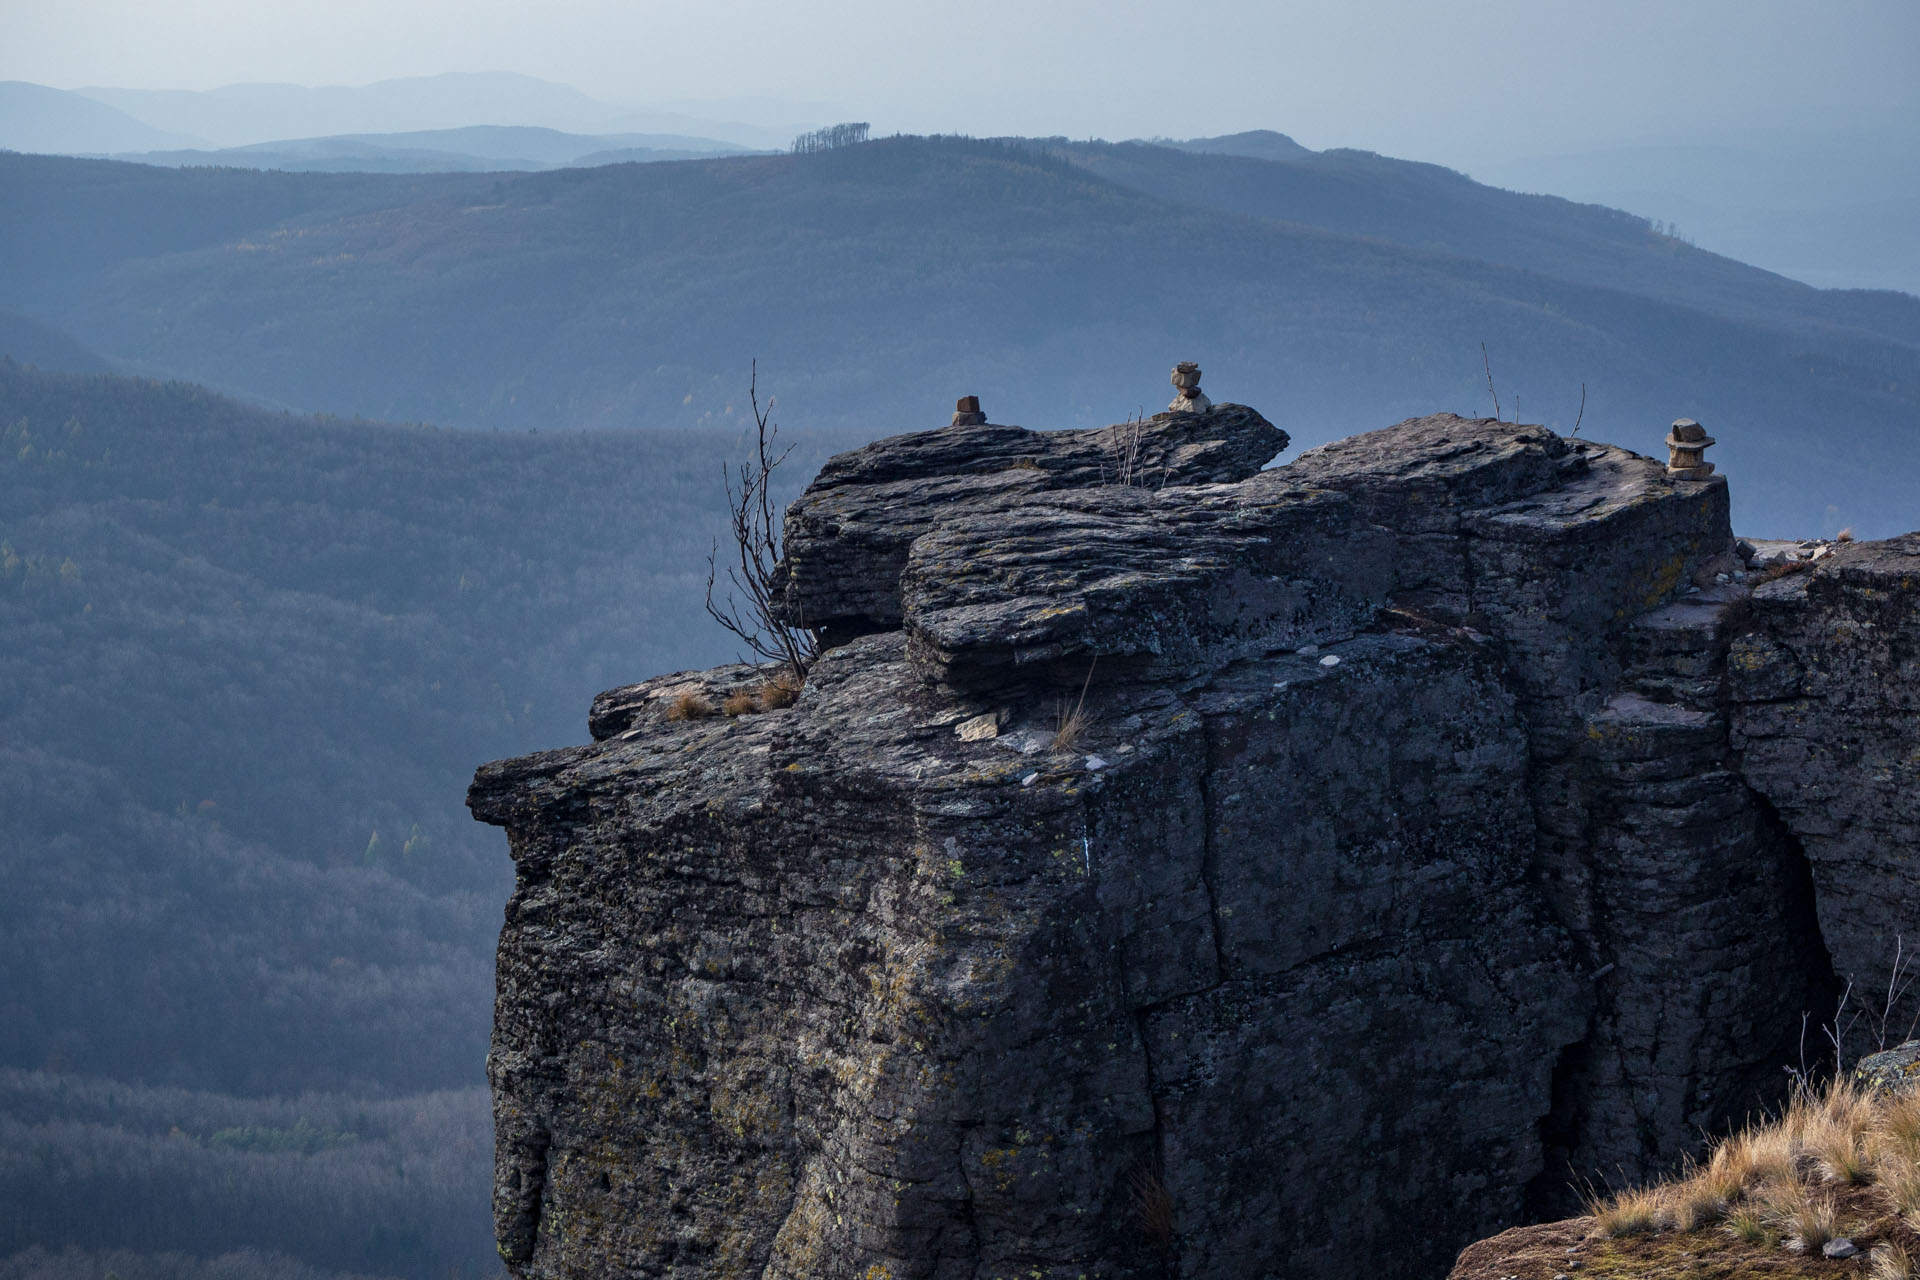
473,149
45,347
1837,210
36,118
1338,291
244,114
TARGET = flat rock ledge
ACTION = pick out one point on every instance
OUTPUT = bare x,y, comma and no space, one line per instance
1174,867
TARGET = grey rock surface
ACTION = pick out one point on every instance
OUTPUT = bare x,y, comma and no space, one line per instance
1826,716
1895,1070
1406,864
848,536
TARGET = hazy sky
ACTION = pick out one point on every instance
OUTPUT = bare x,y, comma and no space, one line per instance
1451,82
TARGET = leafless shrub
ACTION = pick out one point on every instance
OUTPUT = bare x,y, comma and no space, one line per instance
1124,444
751,609
1900,977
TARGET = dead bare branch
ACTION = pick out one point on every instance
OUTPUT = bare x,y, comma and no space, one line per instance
751,608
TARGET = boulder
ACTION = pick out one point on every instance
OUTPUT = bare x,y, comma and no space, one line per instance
847,538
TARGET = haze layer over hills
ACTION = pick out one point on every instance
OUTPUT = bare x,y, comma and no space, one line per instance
100,120
1337,291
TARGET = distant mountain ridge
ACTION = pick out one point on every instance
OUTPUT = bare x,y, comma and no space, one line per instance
472,149
1835,210
36,118
1256,144
242,114
1337,290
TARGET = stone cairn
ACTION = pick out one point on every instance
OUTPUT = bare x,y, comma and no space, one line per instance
966,412
1187,396
1686,445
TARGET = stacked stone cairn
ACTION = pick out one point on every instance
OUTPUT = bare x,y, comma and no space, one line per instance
1686,448
1187,396
966,412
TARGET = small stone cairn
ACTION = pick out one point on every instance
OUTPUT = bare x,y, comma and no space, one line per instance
1187,396
1686,444
966,413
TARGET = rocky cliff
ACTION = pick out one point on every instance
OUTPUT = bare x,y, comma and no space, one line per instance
1174,867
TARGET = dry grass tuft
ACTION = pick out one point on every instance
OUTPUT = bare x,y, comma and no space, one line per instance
1070,719
1154,1205
1890,1261
1809,1218
1836,1154
1752,1157
1696,1203
1840,1156
1635,1211
1776,571
1898,1132
1750,1223
1845,535
690,705
1899,1179
780,691
1070,723
740,702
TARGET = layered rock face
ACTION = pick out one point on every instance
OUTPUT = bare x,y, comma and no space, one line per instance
1825,683
1224,873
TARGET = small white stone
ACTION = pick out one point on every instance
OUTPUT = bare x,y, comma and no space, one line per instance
1308,648
1030,779
1841,1248
1281,684
1331,660
1095,763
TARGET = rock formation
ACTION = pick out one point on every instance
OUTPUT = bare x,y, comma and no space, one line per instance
1224,873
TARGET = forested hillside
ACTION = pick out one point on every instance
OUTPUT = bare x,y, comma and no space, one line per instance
1336,291
250,662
